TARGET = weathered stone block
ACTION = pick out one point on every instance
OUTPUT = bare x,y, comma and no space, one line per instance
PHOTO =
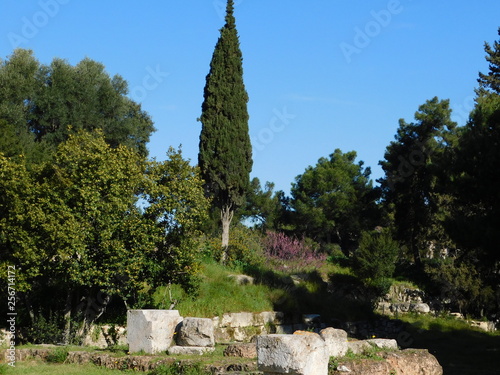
245,350
384,343
285,329
292,354
151,330
196,332
421,308
336,341
242,279
190,350
235,320
485,326
359,347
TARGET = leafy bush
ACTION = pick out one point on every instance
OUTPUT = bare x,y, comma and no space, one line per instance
376,256
45,331
290,254
460,283
244,250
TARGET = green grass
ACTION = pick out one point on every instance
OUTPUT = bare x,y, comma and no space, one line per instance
217,295
41,368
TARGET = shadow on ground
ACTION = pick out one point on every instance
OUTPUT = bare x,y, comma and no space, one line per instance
460,352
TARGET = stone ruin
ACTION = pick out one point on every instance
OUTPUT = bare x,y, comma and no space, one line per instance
300,353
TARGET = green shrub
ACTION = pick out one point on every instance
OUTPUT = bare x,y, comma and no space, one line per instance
381,285
460,283
58,355
45,331
245,247
376,256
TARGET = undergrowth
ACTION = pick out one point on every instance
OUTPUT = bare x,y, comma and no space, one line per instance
179,368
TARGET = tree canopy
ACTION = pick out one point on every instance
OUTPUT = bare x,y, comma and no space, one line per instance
412,165
225,154
48,102
334,200
74,224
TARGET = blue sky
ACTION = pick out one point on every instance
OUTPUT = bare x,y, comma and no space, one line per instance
321,74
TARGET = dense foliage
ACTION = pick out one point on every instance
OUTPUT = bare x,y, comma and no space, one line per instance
73,227
45,103
225,155
334,201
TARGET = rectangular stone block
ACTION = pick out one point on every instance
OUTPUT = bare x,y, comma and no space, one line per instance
196,332
151,330
336,341
305,354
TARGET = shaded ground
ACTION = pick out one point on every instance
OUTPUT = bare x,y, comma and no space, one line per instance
460,352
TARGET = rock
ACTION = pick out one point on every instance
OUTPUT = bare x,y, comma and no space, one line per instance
358,347
343,368
406,362
242,279
190,350
411,361
151,330
421,308
336,341
269,317
245,350
384,343
243,327
285,329
196,332
485,326
361,346
457,315
235,320
301,354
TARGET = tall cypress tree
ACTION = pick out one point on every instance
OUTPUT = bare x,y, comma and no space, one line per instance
225,156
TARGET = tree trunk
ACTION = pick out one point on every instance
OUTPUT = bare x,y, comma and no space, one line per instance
96,306
67,317
414,248
226,216
29,307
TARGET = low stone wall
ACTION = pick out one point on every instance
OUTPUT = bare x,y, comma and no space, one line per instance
246,326
131,362
407,362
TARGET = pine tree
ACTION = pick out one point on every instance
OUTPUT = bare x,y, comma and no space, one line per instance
225,156
413,164
491,82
